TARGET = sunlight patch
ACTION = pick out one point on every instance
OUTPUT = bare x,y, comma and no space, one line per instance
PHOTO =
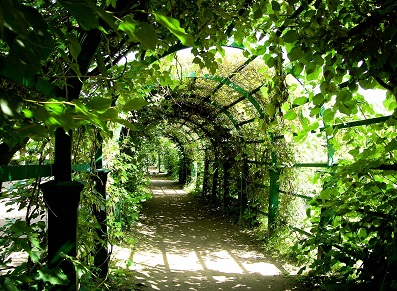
265,269
152,258
121,255
184,262
221,261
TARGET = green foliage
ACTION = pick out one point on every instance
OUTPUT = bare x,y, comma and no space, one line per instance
127,185
60,66
353,218
172,158
26,235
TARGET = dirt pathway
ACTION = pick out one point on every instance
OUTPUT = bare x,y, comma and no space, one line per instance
183,245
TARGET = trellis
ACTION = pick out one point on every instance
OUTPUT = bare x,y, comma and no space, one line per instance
199,122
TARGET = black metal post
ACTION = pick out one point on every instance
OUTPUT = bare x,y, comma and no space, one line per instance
215,177
226,186
62,168
101,259
62,199
205,175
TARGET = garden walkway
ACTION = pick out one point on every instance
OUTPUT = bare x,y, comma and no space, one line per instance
185,245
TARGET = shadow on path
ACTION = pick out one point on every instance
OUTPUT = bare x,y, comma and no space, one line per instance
184,245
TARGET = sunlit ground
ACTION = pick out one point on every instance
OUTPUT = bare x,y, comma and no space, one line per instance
8,212
184,250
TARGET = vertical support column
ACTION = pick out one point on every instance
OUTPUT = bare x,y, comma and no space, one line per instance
226,186
205,175
62,168
198,175
98,154
182,169
159,162
101,259
243,197
62,199
192,171
274,190
273,200
326,214
215,177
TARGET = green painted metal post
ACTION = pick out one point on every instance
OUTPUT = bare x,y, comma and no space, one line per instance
243,197
273,200
274,191
98,154
326,214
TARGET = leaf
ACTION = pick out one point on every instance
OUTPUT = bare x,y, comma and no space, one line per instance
258,13
290,115
146,35
126,123
318,59
275,6
99,103
110,114
310,68
128,26
328,116
390,103
83,13
301,100
391,146
108,17
362,233
134,104
74,45
54,276
290,36
174,27
76,68
295,54
270,109
318,99
9,284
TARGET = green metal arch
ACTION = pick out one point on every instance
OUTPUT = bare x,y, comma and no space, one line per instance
235,87
238,89
227,112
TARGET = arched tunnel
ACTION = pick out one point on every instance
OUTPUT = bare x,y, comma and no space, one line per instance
220,120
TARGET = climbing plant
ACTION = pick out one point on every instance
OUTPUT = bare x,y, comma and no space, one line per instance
83,66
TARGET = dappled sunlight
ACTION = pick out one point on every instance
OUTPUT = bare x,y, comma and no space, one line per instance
121,256
184,245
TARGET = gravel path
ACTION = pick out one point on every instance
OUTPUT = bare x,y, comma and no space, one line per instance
184,245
